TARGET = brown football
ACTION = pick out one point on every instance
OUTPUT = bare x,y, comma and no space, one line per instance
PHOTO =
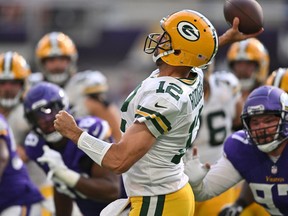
249,12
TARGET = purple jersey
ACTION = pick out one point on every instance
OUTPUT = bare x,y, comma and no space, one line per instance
16,188
75,159
267,179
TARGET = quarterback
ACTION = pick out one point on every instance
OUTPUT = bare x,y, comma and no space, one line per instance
160,118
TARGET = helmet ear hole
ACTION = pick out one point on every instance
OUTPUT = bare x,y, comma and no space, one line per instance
177,52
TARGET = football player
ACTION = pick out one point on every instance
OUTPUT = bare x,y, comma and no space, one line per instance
75,176
57,55
89,89
249,61
14,72
222,95
278,78
256,154
19,195
160,118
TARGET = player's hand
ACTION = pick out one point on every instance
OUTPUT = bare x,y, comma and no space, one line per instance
233,34
57,167
65,124
53,159
231,210
194,169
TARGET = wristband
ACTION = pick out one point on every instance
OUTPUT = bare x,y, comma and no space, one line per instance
93,147
69,177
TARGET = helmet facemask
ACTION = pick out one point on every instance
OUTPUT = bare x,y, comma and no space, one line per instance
14,71
42,120
57,45
158,44
266,142
254,51
58,75
11,96
41,104
265,117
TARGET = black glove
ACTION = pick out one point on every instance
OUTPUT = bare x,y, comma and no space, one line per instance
231,210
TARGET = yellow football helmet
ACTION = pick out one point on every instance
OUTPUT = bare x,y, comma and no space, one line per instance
53,45
279,78
250,50
14,71
189,39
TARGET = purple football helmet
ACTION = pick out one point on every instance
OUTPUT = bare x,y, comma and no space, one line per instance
41,103
267,100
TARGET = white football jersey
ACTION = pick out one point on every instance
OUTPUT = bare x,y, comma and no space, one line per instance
217,115
75,86
75,89
170,108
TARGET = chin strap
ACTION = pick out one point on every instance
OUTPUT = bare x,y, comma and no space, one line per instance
155,58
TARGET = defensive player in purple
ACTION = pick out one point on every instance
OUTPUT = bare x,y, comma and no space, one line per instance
258,154
18,195
75,175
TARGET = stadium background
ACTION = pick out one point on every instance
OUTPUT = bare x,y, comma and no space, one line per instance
110,34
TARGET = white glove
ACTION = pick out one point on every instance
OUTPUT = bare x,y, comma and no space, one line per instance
57,167
194,169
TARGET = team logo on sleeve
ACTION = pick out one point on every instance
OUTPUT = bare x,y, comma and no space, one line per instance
188,31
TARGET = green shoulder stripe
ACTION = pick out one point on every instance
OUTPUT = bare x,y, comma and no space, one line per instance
160,122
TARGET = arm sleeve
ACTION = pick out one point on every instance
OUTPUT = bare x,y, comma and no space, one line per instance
220,178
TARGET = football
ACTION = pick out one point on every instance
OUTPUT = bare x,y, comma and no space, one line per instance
249,12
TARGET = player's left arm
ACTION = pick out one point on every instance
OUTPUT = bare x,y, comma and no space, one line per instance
219,178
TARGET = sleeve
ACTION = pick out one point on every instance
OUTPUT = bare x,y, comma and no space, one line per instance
220,178
34,149
32,146
158,113
96,127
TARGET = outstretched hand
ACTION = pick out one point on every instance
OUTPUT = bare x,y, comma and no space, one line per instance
65,124
233,34
53,159
194,169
